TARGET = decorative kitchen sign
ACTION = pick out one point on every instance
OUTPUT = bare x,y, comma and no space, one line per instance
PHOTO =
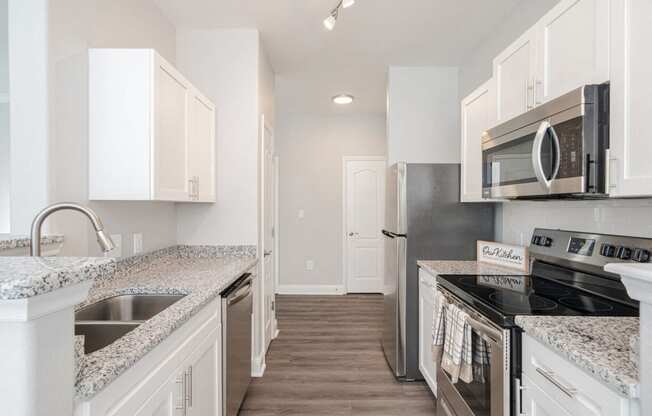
514,257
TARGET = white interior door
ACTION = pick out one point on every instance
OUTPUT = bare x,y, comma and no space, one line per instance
364,205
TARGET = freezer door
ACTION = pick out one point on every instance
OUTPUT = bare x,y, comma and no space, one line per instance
393,341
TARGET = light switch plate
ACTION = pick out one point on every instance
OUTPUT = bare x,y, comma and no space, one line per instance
302,214
138,243
310,265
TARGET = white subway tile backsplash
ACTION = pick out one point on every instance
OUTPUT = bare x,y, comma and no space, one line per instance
625,217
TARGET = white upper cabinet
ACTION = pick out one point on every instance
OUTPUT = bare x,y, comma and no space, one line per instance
514,71
201,148
478,113
630,170
151,133
573,48
567,48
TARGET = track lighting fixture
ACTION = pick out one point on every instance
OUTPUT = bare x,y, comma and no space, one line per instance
329,22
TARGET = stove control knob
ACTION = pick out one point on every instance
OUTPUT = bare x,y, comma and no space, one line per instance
536,240
624,253
641,255
546,241
608,250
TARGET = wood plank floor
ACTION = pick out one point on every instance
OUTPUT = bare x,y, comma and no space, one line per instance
327,360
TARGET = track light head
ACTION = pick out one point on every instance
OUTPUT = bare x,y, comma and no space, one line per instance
347,3
329,22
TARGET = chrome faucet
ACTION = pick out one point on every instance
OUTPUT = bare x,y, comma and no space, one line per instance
103,239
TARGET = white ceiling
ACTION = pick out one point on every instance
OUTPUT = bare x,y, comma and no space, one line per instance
313,64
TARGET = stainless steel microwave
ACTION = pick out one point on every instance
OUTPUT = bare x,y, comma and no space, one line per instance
555,150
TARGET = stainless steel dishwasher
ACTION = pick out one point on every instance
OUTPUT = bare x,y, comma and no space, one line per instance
237,305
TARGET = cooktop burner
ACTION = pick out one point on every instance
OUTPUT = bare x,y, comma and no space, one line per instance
521,303
586,304
503,297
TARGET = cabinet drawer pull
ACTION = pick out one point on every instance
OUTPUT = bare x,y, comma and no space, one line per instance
189,387
181,404
550,376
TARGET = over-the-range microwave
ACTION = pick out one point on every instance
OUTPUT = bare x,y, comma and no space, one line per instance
555,150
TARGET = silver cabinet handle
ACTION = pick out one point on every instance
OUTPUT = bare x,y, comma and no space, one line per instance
189,387
181,382
538,92
529,89
550,376
353,234
196,187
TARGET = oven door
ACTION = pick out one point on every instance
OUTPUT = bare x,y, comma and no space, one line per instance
487,395
538,160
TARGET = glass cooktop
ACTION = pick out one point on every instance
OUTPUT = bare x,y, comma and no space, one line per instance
504,297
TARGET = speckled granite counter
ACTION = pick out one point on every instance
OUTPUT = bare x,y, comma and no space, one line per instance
11,241
464,267
599,345
200,273
24,277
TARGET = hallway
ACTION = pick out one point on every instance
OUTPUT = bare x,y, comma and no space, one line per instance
327,360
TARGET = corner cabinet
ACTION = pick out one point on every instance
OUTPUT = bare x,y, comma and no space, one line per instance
151,132
427,366
478,113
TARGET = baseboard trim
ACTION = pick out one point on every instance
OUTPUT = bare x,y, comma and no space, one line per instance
258,367
310,290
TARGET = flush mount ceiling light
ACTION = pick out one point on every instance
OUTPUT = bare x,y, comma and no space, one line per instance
329,22
343,99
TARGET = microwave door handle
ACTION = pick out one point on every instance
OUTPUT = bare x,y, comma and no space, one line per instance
557,144
537,148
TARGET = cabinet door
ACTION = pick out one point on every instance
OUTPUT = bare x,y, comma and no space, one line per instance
573,47
537,403
170,141
204,377
167,401
477,117
514,71
427,365
201,148
631,148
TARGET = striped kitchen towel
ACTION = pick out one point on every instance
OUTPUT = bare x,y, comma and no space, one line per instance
438,326
481,357
457,359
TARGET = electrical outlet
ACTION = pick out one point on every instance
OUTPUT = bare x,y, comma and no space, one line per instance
310,265
138,243
117,241
302,214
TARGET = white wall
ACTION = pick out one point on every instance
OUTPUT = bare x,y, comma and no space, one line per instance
516,220
224,66
310,148
423,115
5,170
75,26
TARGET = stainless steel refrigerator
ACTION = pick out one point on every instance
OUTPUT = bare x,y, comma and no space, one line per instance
425,221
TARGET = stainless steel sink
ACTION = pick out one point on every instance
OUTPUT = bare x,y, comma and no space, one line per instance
98,335
126,308
103,322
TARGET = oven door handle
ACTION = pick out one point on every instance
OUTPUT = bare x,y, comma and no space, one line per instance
537,150
492,334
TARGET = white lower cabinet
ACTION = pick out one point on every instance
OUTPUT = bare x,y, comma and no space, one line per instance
182,376
552,385
427,365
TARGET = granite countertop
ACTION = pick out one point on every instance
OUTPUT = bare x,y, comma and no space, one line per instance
200,273
11,241
601,346
25,277
465,267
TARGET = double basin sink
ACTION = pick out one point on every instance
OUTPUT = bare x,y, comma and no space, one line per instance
103,322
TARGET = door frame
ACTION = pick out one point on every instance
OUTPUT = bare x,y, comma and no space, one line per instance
345,160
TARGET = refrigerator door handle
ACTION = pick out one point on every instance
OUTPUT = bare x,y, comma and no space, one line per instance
393,235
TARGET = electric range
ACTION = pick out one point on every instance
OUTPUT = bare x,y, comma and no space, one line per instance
566,279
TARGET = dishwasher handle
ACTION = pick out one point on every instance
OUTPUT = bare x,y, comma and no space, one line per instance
242,292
